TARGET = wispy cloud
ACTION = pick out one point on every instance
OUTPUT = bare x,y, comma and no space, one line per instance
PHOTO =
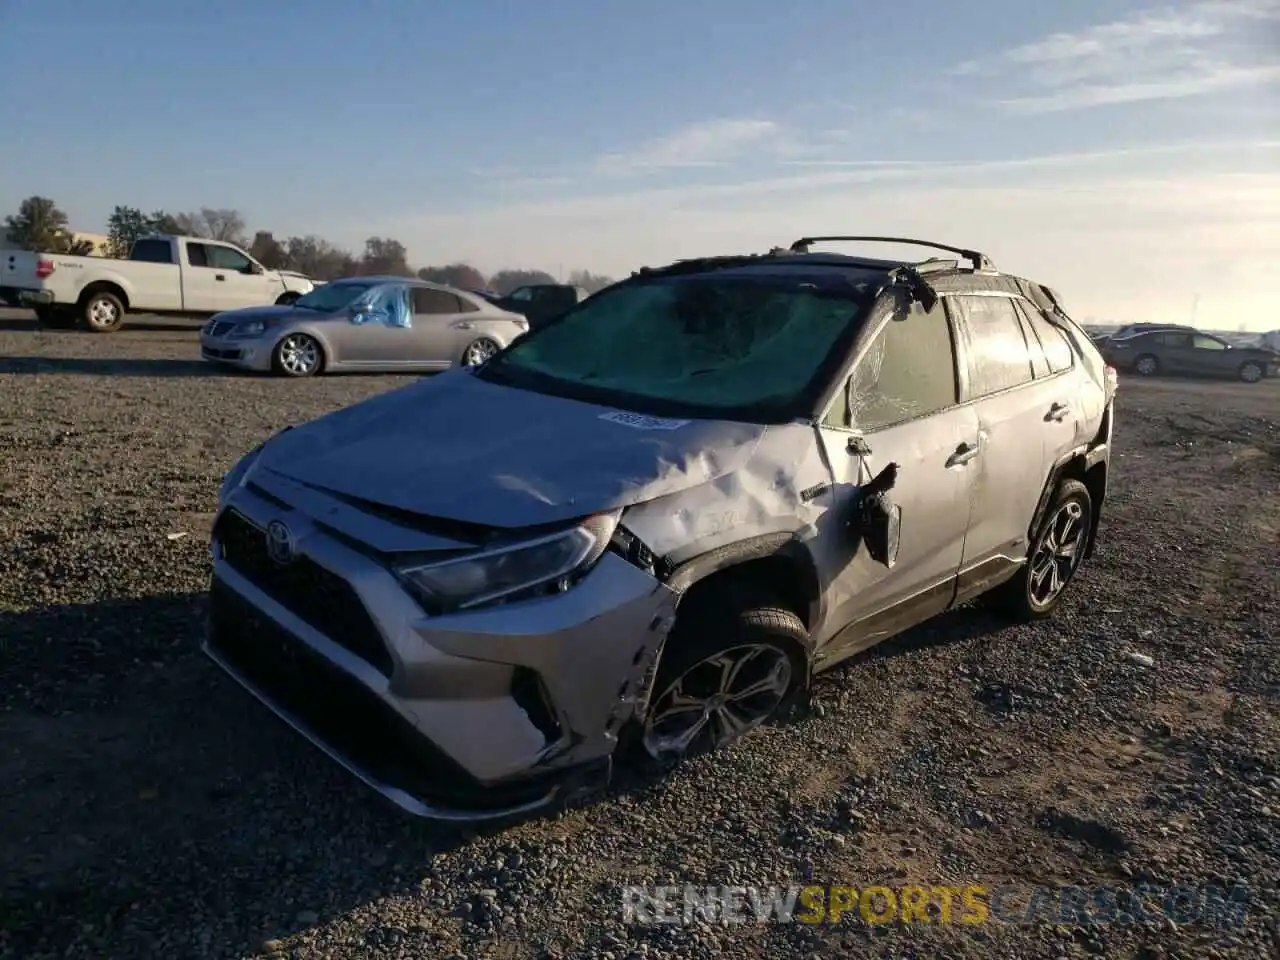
1162,53
707,143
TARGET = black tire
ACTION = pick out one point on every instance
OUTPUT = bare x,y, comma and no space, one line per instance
1017,597
1147,365
55,318
285,357
287,299
1251,371
102,312
733,619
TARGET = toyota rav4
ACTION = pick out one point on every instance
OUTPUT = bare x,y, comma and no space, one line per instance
644,528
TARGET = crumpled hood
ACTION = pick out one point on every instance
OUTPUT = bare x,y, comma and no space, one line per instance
268,313
456,447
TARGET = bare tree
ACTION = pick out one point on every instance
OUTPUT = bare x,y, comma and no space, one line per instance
267,250
226,226
318,258
461,275
590,282
385,257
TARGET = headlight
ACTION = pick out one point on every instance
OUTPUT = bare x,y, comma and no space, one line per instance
250,328
549,564
239,473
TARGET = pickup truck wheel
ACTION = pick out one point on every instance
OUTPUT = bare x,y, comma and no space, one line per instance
287,299
102,312
298,355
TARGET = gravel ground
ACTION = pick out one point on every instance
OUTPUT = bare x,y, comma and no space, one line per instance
150,808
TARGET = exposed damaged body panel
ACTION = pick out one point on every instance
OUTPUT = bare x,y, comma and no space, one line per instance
651,521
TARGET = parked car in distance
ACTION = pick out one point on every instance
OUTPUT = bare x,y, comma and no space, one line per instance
171,276
1184,351
1130,329
374,324
542,302
640,531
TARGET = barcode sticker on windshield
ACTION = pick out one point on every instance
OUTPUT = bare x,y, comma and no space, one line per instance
640,422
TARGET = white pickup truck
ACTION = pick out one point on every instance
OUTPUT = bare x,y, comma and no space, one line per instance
172,276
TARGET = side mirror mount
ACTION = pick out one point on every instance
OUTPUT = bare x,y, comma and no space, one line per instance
254,269
360,310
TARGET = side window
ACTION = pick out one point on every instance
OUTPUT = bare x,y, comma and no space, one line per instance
429,301
465,305
1053,345
998,354
908,371
1207,343
152,251
197,255
1174,339
524,293
224,258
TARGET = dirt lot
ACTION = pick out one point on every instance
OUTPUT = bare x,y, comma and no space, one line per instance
150,809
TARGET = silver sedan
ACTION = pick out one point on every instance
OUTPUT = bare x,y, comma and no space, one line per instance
374,324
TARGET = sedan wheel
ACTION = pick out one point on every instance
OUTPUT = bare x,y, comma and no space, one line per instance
717,700
1147,365
299,355
479,351
1251,372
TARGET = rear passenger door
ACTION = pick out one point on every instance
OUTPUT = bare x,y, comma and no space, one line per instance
1210,356
1020,390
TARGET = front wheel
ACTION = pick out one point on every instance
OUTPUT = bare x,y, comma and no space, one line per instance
298,355
1056,553
728,666
479,351
1251,372
1147,365
288,298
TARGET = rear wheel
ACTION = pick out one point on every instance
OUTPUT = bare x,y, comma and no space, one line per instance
1251,372
1147,365
102,312
1055,555
731,663
298,355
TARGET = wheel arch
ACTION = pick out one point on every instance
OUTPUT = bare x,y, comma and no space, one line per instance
777,563
1089,466
103,286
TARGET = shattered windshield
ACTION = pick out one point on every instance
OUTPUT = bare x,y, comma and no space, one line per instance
713,346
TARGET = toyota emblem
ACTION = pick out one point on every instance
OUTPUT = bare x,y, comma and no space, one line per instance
280,546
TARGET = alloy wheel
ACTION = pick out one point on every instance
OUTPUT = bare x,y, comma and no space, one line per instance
299,355
481,351
717,700
1059,552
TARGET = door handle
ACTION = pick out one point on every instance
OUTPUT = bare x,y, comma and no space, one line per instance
1057,412
218,276
465,325
963,454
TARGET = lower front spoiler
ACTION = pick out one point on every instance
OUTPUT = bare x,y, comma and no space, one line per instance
363,734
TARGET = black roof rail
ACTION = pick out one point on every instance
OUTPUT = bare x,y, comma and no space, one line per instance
980,261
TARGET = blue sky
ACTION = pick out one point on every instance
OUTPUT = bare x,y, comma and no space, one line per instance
1127,153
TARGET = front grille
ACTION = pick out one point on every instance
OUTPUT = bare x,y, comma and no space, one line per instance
317,596
213,353
343,713
221,328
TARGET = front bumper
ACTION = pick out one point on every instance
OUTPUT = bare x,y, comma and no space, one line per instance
492,713
246,354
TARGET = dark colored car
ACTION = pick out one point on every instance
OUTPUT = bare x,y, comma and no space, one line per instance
1182,351
541,303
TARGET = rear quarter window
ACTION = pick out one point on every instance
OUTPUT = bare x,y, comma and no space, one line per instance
152,251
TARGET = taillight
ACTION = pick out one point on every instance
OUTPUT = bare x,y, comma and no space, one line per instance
1110,380
44,267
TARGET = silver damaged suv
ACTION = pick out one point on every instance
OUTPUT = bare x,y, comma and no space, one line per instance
644,528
